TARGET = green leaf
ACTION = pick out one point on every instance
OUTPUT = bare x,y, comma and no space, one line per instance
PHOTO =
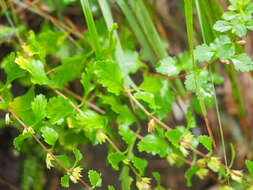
57,109
249,165
242,63
151,84
21,105
18,141
206,142
132,61
65,180
157,176
222,26
191,122
148,98
174,136
203,53
12,70
240,30
229,15
95,178
168,66
67,2
35,68
64,160
140,164
78,156
49,135
125,178
58,38
114,158
87,83
39,106
127,134
224,47
125,115
109,75
249,24
63,74
233,155
6,31
201,76
154,144
34,48
190,173
110,187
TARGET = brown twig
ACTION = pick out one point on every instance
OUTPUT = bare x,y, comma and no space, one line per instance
54,20
69,101
146,111
78,97
46,149
157,75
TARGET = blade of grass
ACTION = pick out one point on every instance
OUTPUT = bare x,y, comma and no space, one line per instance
136,28
91,26
148,27
189,26
209,36
119,53
212,12
153,37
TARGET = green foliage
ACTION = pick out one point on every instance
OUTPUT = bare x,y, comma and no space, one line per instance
154,144
206,142
190,173
115,158
140,164
249,165
57,109
65,181
95,178
168,67
238,19
50,135
109,76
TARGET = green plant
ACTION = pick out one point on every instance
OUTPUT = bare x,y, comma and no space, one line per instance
109,107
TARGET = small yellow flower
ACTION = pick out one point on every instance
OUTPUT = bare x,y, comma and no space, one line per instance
144,184
76,174
49,160
7,119
151,126
28,130
101,137
171,158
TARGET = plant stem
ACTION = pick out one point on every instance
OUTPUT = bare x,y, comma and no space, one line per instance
189,26
47,150
165,126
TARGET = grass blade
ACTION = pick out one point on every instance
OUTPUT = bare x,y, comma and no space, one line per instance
91,26
189,26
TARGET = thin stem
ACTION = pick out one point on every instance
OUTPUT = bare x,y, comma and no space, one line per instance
189,26
54,20
46,149
69,101
113,145
78,97
146,111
